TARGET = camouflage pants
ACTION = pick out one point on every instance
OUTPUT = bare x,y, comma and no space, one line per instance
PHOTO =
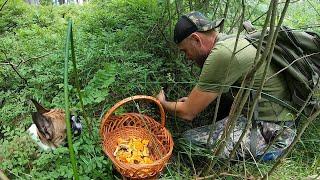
265,133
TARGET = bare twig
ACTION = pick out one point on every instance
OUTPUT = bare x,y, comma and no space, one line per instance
214,119
257,97
225,14
309,26
313,8
266,12
225,135
8,63
36,57
232,115
179,8
259,17
253,10
234,21
3,5
295,140
215,10
190,5
275,74
14,67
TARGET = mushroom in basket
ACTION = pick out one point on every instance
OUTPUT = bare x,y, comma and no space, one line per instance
133,151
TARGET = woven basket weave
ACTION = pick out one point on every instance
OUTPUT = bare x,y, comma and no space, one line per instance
129,125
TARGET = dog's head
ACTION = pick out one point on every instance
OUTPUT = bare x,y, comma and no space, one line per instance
51,125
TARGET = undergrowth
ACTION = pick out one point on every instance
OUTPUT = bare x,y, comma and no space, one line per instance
123,48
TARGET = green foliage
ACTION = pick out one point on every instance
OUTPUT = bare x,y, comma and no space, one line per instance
14,17
97,88
22,158
304,15
116,57
123,48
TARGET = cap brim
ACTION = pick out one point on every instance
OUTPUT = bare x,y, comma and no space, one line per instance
212,25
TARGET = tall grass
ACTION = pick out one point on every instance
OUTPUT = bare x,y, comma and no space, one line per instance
69,39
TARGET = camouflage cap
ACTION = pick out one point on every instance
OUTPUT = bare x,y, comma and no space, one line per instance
192,22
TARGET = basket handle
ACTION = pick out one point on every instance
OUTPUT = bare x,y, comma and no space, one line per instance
132,98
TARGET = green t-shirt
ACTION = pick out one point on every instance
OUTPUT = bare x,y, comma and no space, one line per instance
220,72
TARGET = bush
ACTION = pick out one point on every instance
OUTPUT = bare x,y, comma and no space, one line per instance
119,51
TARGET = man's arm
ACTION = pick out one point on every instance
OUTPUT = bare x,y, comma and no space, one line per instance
187,109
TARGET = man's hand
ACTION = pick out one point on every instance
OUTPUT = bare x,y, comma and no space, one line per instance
161,96
188,107
183,99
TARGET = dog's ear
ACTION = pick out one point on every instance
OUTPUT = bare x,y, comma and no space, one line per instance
43,124
39,107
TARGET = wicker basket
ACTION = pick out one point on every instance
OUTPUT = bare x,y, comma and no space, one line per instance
139,126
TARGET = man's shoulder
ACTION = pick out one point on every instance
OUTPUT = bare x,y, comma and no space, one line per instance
230,40
222,37
221,54
226,43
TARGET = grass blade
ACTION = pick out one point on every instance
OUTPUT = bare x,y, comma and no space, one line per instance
66,100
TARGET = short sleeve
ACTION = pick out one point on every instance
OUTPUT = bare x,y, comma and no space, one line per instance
220,71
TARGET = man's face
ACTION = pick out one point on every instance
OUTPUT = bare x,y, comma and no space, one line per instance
193,50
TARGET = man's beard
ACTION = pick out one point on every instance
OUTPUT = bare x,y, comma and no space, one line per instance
201,59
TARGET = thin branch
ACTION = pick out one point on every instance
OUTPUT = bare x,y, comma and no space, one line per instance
272,35
232,114
215,10
14,67
8,63
253,10
266,12
225,14
295,140
214,119
3,5
234,21
259,17
313,8
37,57
302,27
309,26
178,7
275,74
225,135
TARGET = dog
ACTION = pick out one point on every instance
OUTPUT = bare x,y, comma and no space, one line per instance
49,129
